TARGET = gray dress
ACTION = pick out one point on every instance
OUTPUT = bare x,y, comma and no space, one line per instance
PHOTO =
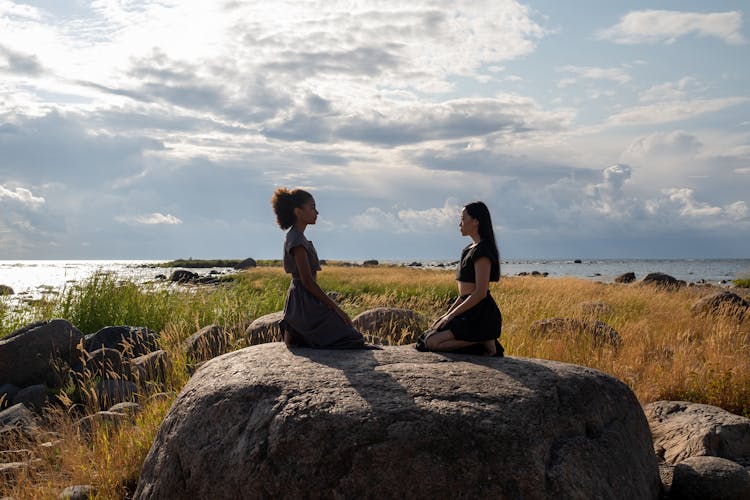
310,322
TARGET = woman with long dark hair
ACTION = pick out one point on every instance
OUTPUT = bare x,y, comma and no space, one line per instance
311,318
474,319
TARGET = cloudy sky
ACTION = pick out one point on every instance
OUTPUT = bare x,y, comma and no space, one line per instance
158,129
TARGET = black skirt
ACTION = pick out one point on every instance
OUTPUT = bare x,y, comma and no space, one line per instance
481,322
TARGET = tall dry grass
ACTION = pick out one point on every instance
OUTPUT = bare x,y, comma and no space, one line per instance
666,351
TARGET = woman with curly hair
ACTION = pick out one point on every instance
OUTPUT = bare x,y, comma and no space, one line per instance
311,318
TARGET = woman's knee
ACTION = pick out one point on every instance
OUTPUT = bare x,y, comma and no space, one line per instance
437,338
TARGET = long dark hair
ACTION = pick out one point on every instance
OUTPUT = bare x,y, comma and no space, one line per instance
285,201
480,212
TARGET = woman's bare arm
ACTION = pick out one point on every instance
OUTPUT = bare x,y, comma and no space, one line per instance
305,274
482,268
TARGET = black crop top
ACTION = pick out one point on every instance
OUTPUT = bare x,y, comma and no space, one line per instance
470,255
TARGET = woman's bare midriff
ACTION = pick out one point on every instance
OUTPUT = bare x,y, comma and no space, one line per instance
465,288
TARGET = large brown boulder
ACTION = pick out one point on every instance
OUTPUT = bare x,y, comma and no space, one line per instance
682,430
269,422
28,356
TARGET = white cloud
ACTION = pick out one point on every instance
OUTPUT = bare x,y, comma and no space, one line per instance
408,220
668,91
664,26
22,196
150,220
684,198
617,75
671,111
158,218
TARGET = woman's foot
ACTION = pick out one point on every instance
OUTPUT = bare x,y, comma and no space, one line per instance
489,346
493,348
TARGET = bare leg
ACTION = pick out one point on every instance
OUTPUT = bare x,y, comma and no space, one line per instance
445,341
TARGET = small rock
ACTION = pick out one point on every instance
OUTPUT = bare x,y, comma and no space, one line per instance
625,278
601,333
183,276
131,341
723,303
34,397
371,262
246,264
6,290
265,329
662,280
110,392
78,492
595,309
128,408
710,478
207,343
151,367
7,393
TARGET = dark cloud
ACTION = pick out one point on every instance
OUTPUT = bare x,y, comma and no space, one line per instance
58,148
360,61
19,64
448,120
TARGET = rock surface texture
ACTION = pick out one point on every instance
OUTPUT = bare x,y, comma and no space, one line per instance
269,422
682,430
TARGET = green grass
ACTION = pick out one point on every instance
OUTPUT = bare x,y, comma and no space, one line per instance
742,283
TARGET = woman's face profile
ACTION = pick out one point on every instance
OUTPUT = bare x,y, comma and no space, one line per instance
467,223
307,213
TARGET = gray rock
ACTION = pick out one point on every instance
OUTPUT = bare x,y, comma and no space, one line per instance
7,393
17,415
271,422
710,478
110,392
131,341
599,332
105,363
34,397
78,492
207,343
183,276
17,420
128,408
661,280
151,367
625,278
28,355
6,290
265,329
682,430
246,264
371,262
396,326
723,303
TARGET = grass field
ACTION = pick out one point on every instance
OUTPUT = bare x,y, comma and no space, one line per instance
666,352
